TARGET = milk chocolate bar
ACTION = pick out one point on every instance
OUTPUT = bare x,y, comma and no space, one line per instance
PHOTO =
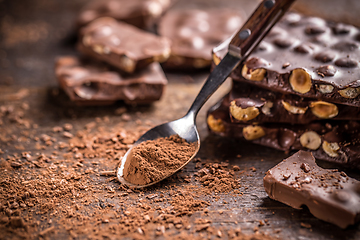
249,103
306,56
89,83
337,142
122,45
330,195
140,13
194,33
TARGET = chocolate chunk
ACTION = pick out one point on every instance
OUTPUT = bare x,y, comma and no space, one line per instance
328,195
346,62
140,13
309,55
327,70
195,32
325,56
88,83
337,142
122,45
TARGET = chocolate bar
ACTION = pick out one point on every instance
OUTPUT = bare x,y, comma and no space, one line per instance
306,56
330,195
249,104
194,33
337,141
89,83
140,13
122,45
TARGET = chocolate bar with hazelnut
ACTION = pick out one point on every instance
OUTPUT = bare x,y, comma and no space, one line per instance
194,33
336,141
306,56
329,194
140,13
92,83
122,45
249,104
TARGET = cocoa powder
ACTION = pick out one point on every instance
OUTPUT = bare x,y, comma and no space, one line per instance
153,160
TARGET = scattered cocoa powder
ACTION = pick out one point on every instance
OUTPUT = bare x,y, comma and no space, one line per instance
153,160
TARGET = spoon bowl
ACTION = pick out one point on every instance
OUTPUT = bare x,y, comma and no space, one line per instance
184,127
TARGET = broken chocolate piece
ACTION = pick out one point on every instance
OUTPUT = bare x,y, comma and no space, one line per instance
289,43
121,45
328,194
337,142
195,32
248,103
140,13
89,83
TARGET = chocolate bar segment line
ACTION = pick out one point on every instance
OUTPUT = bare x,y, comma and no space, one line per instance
330,195
121,45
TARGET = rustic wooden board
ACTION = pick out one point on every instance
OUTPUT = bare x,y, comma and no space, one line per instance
27,76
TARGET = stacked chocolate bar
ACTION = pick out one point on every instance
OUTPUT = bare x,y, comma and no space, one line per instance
120,61
299,90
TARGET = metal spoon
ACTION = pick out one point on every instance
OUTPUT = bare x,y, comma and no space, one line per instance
241,45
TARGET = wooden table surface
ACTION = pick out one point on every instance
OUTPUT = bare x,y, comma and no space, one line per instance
26,75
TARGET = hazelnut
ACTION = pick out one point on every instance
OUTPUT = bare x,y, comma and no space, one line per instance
163,57
331,149
253,132
325,88
99,49
216,125
350,92
310,140
243,114
300,81
127,64
257,74
293,109
266,109
323,109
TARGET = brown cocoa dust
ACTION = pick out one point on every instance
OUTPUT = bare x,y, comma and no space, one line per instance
153,160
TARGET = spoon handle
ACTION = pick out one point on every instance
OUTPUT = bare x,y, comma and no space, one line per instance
241,45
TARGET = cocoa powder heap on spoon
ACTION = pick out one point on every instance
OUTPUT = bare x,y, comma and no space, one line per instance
153,160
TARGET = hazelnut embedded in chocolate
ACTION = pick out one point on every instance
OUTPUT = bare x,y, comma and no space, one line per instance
331,148
323,109
243,114
214,124
346,62
350,92
300,80
326,71
253,132
293,109
254,70
325,56
310,140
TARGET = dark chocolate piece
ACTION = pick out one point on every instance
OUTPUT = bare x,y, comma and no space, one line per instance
140,13
248,103
122,45
194,33
307,44
89,83
330,195
337,142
